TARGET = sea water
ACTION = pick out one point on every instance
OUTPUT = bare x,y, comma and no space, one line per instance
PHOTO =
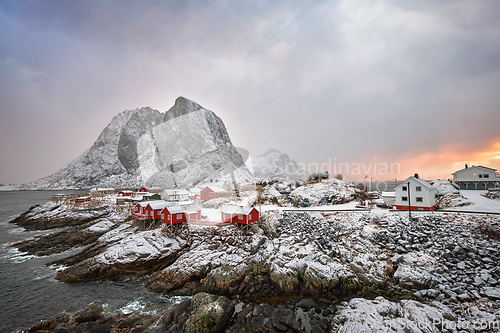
28,291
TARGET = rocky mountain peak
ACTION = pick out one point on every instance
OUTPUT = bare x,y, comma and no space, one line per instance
181,107
185,145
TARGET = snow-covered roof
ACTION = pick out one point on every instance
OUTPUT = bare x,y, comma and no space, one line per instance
477,167
216,188
144,203
175,209
177,191
231,209
126,191
191,208
418,180
160,204
388,194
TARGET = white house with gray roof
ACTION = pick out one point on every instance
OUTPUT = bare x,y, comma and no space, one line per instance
416,193
476,178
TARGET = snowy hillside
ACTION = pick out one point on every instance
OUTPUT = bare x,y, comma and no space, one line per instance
274,164
185,145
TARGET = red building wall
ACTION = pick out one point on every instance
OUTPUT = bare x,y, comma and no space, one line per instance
415,208
205,194
174,218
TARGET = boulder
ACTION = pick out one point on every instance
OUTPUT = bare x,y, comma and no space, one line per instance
202,313
381,315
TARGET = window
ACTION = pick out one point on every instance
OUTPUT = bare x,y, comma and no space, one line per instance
404,188
249,216
240,216
179,216
162,216
480,176
486,176
418,188
168,217
404,198
420,199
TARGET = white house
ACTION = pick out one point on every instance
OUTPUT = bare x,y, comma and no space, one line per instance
476,178
389,198
175,194
415,192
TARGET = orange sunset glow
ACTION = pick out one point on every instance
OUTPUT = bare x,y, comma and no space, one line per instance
441,164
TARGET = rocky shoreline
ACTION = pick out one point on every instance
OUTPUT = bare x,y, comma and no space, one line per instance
313,272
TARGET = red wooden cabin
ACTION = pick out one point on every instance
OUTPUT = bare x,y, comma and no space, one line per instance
173,215
238,214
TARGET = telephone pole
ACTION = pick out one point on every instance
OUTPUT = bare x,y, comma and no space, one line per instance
409,201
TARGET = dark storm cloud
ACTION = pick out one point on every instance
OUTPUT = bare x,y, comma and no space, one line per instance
347,79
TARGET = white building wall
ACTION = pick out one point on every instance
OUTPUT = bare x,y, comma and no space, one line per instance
472,174
428,195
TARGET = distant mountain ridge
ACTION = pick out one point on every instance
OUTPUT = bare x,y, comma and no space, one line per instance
275,165
185,145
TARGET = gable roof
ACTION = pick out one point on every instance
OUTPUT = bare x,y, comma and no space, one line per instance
175,209
145,203
216,188
477,167
418,180
231,209
159,204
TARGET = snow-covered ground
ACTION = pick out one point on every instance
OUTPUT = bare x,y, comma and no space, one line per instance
479,202
212,214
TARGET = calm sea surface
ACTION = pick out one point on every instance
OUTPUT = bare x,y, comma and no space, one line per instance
28,290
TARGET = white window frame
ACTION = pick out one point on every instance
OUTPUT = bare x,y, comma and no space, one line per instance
404,199
404,188
240,216
418,188
419,199
179,216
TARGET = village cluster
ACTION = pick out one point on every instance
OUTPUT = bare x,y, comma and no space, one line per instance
179,205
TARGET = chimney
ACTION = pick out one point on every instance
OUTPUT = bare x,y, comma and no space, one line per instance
416,175
466,166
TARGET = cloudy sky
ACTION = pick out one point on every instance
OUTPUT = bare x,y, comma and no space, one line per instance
354,81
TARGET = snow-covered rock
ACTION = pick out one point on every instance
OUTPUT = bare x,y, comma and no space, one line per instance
444,187
326,192
448,196
381,315
185,145
415,271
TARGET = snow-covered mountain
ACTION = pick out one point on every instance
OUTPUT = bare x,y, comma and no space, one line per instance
274,164
185,145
